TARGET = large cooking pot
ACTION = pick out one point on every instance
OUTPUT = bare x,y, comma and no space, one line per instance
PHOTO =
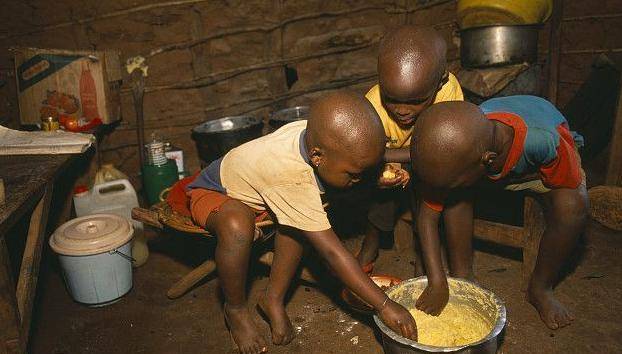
288,115
216,137
498,45
475,13
461,291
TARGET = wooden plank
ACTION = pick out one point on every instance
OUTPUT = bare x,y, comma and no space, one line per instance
534,229
614,165
9,316
31,259
500,233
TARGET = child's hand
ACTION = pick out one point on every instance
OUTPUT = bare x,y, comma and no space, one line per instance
398,319
433,299
393,176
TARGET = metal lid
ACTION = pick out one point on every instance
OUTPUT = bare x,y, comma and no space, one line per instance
227,124
291,114
91,234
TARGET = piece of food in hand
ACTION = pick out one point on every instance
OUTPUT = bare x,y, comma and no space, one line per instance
388,174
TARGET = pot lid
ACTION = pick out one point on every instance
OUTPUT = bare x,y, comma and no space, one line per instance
91,234
291,114
227,124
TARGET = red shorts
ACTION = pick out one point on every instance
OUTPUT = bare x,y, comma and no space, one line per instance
203,202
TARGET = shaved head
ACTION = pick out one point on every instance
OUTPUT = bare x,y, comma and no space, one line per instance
449,141
344,139
411,63
346,123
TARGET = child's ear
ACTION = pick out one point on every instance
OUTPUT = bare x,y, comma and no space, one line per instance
316,156
488,158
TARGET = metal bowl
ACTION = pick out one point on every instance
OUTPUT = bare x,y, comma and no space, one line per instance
215,138
498,45
461,291
288,115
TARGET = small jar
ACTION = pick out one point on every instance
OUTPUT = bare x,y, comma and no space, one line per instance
49,124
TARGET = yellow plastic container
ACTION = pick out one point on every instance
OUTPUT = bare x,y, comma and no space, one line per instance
476,13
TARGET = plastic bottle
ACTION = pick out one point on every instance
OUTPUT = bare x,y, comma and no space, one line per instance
115,197
107,173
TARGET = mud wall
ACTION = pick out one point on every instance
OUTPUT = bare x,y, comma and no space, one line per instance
208,59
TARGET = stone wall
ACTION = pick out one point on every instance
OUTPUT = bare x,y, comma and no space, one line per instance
213,58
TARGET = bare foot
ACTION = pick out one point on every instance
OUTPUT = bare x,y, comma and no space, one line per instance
552,312
243,330
280,325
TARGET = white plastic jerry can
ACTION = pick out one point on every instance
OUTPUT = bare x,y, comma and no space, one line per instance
116,197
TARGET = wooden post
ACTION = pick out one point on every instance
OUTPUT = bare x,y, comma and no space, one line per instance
614,165
555,50
534,226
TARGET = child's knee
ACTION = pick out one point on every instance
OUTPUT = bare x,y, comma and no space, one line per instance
572,209
235,218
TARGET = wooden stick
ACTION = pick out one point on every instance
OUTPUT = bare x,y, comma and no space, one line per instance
138,92
270,100
614,164
112,14
247,29
554,54
533,229
191,279
420,7
148,217
217,77
592,17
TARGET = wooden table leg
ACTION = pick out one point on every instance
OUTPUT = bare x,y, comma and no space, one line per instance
9,316
29,271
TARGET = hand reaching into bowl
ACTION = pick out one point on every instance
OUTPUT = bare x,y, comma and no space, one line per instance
433,299
398,319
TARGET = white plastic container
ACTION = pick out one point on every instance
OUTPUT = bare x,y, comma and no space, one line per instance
115,197
96,257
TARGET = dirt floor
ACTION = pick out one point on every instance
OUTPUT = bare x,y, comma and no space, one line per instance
145,321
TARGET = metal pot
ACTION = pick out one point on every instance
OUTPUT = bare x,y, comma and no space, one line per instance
486,303
288,115
498,45
216,137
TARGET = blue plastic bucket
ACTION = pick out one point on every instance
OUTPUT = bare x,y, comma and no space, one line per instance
95,254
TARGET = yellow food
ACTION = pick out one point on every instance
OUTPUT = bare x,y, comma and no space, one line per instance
456,325
388,174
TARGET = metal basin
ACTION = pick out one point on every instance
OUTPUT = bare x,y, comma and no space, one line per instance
498,45
288,115
216,137
486,303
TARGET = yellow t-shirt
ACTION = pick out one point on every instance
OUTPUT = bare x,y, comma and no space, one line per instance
398,137
271,172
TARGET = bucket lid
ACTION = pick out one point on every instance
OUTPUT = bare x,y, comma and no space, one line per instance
91,234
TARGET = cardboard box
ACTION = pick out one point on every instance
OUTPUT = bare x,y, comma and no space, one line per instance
66,83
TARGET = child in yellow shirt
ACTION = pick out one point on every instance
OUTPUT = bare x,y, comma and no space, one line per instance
412,75
285,173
